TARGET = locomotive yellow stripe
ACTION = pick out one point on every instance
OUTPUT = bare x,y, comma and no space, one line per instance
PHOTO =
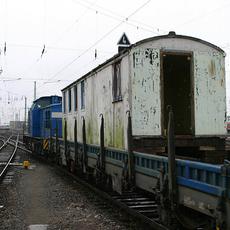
45,144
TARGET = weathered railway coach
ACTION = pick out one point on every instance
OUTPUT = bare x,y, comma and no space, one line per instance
116,116
184,72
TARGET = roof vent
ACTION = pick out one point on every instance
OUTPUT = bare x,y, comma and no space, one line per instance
172,34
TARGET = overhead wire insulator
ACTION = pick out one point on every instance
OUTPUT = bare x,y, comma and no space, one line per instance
43,50
5,48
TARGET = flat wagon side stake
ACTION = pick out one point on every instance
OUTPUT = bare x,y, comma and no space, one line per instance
100,167
84,156
57,150
75,144
66,144
174,214
172,183
131,169
102,145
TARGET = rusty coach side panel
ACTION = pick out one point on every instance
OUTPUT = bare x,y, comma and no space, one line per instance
145,83
209,93
199,97
98,99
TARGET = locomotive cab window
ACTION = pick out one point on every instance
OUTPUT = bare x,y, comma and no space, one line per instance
83,95
117,81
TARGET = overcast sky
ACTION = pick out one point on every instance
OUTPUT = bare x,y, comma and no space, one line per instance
71,31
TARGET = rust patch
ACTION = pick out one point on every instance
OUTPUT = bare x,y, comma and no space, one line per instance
222,77
212,69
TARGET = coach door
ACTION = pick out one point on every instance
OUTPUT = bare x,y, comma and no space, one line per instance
177,91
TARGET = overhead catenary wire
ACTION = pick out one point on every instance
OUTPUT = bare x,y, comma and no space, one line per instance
83,50
114,15
75,22
110,14
98,41
46,47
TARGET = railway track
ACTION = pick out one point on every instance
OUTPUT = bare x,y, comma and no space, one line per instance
137,204
7,155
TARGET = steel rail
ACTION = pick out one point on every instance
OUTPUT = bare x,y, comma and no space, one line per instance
19,147
5,142
153,224
11,157
2,143
19,142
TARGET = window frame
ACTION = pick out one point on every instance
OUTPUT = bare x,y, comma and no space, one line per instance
75,98
117,94
70,100
83,94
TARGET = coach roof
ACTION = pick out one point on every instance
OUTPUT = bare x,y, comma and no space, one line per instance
171,34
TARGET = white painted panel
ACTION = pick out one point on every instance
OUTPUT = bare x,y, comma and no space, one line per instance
99,100
209,93
146,105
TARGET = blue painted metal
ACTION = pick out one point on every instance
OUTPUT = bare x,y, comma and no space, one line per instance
207,178
39,124
48,122
197,185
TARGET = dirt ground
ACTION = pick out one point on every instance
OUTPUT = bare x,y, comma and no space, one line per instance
41,198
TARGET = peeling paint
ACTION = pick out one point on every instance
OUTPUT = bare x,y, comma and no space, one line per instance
141,93
209,98
212,69
146,92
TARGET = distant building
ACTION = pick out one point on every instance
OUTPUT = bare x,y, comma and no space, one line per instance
16,124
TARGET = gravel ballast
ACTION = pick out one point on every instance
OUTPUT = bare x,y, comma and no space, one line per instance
42,196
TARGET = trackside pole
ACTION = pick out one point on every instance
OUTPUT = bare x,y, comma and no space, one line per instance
65,142
75,143
131,168
56,140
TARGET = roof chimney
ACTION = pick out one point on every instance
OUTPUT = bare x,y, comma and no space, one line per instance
172,34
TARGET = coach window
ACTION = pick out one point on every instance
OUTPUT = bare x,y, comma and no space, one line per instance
70,101
117,81
82,94
64,102
75,97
